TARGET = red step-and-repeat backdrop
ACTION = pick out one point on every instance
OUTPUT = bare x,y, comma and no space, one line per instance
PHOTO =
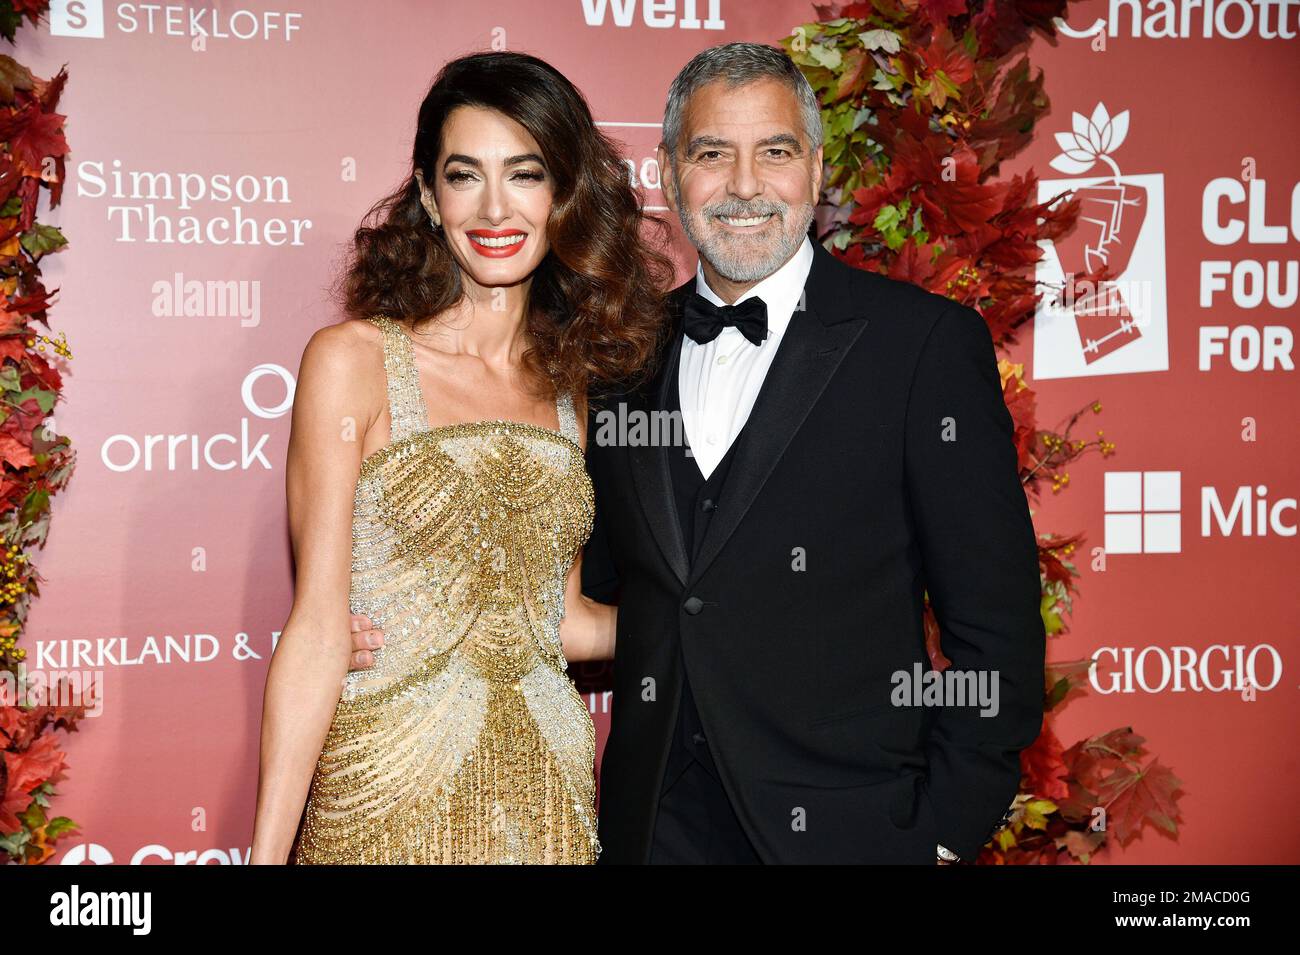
214,183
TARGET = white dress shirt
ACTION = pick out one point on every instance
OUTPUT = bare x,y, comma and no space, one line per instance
717,382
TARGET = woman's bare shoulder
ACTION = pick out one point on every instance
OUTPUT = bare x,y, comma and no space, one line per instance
347,345
347,358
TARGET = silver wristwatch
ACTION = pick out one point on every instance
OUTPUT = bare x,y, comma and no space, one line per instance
946,855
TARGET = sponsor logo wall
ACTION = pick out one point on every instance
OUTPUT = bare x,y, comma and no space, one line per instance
222,158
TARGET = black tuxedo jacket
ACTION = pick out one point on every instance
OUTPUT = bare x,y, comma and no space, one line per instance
844,503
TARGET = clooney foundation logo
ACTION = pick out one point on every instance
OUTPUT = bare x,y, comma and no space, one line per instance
1109,316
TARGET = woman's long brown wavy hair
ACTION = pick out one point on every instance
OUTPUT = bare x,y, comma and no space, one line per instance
596,312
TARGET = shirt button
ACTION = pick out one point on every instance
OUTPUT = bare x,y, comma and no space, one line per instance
712,439
722,359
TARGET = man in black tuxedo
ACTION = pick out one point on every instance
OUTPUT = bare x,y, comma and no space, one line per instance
849,450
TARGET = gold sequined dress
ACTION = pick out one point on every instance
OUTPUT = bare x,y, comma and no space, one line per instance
466,742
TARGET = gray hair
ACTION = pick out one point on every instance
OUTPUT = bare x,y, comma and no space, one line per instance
739,64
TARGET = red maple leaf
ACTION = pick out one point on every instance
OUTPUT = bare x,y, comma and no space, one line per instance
912,264
1050,564
14,452
943,53
24,418
39,763
938,11
1042,765
40,137
26,769
1136,796
12,346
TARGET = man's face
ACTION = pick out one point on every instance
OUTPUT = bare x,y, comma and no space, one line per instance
744,180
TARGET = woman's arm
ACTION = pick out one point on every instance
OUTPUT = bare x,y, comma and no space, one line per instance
305,677
587,631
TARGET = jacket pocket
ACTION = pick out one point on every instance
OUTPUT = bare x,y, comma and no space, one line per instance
862,712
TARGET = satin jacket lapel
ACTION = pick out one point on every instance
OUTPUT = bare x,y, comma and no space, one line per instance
649,463
814,344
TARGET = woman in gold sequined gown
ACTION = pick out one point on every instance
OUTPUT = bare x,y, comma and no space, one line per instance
436,484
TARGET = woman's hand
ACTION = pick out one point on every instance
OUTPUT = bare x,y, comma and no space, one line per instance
366,639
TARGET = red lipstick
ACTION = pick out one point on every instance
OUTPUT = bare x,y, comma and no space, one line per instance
495,248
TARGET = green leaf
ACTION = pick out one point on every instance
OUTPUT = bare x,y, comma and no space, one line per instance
37,502
33,817
10,21
887,218
44,398
1052,621
886,40
827,56
59,826
42,239
1056,694
14,843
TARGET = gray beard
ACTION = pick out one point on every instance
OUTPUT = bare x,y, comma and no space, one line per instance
740,265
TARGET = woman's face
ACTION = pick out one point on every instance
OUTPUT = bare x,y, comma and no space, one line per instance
493,193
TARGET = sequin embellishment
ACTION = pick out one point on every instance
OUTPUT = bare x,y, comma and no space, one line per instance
466,742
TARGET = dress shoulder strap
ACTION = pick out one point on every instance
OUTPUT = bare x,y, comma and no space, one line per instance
568,417
405,400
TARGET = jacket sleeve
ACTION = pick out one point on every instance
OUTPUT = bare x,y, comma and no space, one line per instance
980,565
599,572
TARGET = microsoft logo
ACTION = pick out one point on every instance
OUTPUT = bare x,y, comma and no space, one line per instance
1142,512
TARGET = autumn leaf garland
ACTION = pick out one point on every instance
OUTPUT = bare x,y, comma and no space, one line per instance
35,462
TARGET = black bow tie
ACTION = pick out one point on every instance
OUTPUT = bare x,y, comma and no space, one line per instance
704,320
